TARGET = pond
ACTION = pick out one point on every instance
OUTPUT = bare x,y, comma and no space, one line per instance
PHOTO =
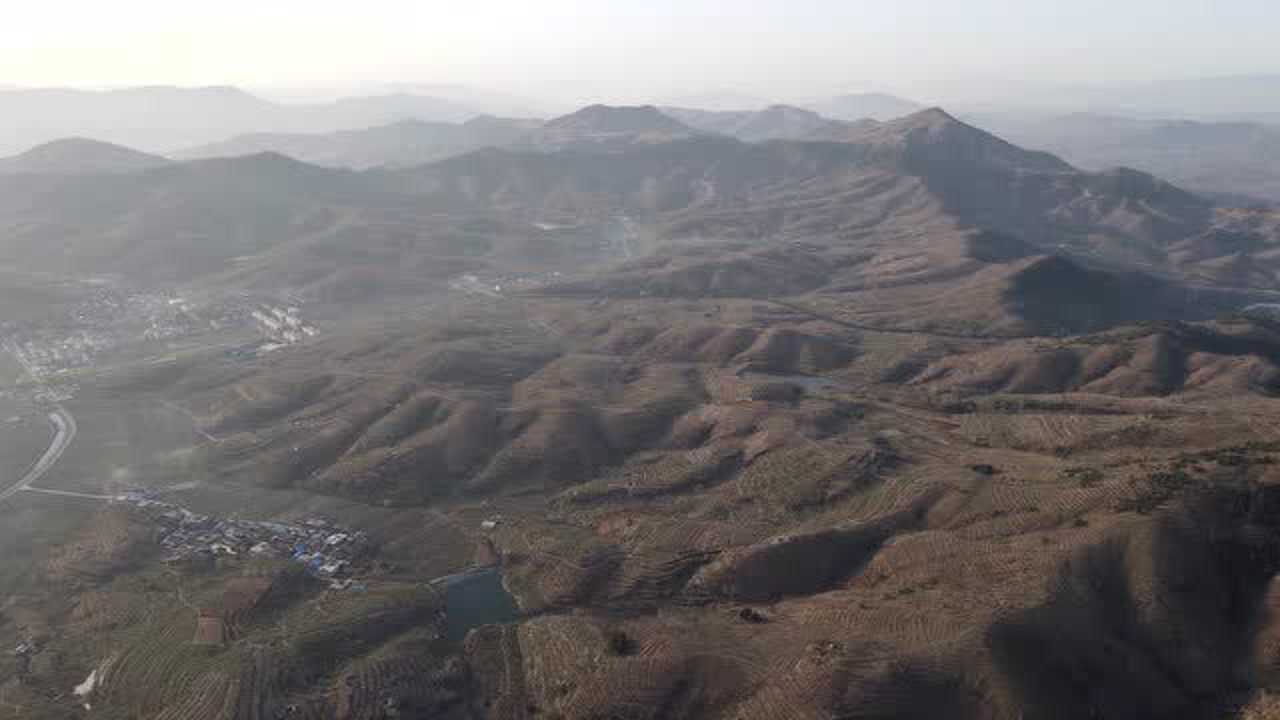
474,599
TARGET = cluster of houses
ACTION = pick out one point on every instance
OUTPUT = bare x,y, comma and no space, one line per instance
97,327
324,549
50,355
282,325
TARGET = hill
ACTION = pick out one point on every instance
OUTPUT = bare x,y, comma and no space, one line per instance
79,156
1230,357
607,128
174,222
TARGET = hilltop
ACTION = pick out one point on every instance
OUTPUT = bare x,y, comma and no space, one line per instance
608,128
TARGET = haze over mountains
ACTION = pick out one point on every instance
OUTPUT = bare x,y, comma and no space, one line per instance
1234,159
744,413
402,144
161,119
412,142
169,119
602,161
875,106
1231,98
1241,159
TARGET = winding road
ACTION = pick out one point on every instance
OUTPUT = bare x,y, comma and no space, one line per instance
64,431
64,427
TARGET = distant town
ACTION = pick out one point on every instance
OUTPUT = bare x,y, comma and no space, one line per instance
112,320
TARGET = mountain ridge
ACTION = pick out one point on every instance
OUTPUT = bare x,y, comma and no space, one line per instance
405,143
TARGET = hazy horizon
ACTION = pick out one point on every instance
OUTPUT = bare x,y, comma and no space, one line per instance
570,51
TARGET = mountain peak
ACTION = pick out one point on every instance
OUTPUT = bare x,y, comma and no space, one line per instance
936,138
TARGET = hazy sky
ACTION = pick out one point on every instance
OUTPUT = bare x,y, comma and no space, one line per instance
637,49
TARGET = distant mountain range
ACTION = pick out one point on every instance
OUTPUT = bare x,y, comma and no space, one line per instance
410,143
402,144
593,128
160,119
1235,163
898,179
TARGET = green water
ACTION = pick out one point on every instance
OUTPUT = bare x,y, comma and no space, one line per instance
477,599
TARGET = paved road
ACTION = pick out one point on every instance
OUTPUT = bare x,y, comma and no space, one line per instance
72,494
64,427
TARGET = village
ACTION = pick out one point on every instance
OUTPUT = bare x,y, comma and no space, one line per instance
324,549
